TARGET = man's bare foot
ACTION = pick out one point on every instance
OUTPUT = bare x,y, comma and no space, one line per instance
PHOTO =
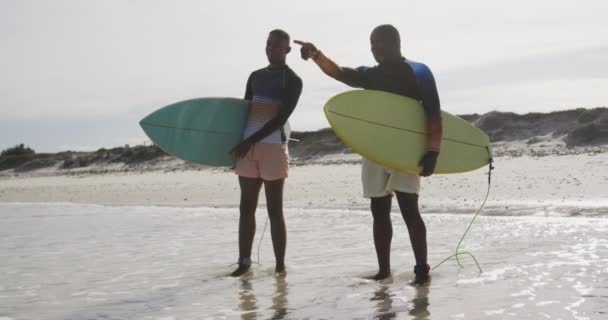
422,274
421,282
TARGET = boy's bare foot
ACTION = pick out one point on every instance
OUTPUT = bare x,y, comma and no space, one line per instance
379,276
280,269
241,270
244,265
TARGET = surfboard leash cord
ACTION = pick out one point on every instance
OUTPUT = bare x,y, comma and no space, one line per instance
457,253
259,244
262,237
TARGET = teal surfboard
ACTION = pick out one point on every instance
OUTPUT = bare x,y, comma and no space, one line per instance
199,130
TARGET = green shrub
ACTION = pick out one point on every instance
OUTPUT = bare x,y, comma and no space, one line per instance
18,150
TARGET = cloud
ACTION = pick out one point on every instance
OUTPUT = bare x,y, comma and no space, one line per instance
50,134
577,64
529,96
80,73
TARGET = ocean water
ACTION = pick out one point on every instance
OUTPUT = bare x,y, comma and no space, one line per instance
74,261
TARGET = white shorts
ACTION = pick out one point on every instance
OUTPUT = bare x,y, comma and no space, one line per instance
379,181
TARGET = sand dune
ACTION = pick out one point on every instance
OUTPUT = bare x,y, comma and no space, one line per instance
564,132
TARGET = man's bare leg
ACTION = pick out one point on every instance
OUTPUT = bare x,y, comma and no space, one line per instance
383,234
408,203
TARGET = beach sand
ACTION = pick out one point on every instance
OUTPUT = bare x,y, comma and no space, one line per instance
574,183
158,245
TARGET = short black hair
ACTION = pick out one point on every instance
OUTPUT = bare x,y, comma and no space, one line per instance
389,33
281,34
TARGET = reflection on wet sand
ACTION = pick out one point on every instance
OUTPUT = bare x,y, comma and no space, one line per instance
279,299
248,300
420,303
417,307
384,307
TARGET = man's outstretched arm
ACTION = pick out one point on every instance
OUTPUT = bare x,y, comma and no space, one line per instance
309,51
357,78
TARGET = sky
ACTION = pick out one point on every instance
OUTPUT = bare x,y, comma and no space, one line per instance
80,74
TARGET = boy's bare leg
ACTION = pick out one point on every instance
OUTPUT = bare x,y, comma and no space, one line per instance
250,190
274,203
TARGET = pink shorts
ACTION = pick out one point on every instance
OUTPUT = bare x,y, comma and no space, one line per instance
264,160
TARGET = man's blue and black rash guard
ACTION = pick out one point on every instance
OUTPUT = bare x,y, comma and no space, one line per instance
274,93
406,78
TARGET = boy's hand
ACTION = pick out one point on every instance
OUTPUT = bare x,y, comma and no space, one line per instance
428,163
241,149
308,49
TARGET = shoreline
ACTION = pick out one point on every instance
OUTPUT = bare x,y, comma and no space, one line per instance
169,164
568,184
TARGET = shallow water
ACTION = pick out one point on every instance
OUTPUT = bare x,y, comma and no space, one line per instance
68,261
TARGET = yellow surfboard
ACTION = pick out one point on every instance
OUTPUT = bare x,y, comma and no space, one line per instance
391,130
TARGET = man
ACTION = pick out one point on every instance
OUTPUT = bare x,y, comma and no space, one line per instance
263,156
396,75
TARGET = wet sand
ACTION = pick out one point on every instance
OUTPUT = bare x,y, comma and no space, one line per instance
75,261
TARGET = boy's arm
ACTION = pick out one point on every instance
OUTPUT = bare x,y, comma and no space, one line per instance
248,88
293,91
239,150
292,95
